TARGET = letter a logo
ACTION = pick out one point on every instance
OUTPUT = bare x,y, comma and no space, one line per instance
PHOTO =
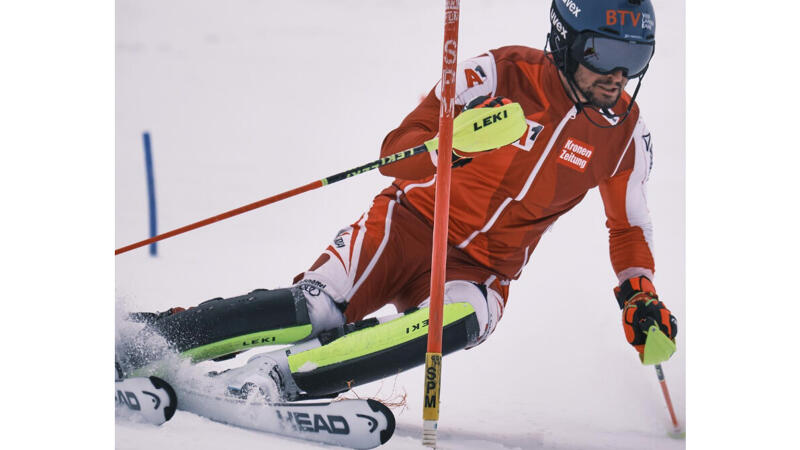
472,78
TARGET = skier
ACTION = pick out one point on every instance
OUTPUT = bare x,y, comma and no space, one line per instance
584,131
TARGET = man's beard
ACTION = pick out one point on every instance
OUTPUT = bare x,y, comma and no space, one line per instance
599,101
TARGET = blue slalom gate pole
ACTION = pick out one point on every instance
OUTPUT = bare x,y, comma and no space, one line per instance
151,191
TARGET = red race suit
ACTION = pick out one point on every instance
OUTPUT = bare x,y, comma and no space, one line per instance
502,201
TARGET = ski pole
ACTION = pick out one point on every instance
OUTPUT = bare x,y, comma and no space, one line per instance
276,198
657,349
676,429
476,130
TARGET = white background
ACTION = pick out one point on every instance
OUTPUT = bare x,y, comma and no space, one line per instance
244,102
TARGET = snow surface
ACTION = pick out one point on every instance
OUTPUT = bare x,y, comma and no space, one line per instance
246,98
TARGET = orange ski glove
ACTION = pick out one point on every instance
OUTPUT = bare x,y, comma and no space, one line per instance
640,308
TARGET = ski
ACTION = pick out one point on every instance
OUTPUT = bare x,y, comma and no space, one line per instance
243,397
148,399
356,423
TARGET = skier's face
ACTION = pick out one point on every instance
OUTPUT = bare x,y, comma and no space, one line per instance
602,91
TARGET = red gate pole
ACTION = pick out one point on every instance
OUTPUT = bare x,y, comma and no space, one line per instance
433,357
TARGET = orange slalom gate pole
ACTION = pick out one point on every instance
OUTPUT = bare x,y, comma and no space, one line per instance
433,357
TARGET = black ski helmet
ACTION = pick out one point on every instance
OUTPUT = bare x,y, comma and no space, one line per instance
626,29
604,36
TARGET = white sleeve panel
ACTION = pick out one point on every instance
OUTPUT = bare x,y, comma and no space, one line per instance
474,77
631,272
636,194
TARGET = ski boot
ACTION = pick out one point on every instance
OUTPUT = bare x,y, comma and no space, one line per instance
261,376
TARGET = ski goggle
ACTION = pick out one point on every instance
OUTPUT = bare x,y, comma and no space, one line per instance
605,55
